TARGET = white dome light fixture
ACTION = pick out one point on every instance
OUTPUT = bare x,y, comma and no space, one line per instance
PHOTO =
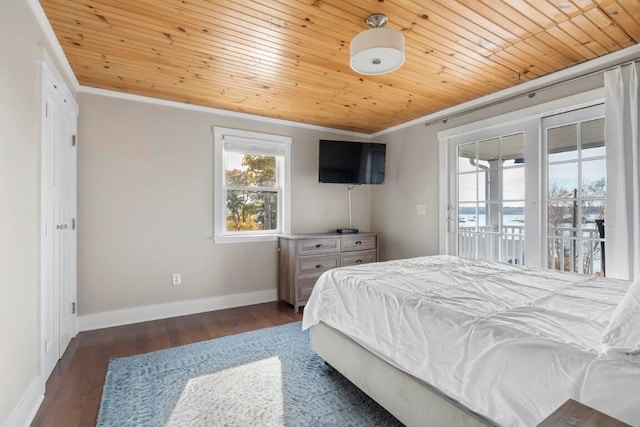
377,50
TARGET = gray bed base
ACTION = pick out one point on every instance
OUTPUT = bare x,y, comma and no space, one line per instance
410,400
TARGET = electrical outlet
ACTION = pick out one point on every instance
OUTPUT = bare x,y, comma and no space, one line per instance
177,279
421,209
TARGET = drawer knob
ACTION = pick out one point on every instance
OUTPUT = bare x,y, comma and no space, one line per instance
358,242
358,261
319,266
319,245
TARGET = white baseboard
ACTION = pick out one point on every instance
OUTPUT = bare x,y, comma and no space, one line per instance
26,409
128,316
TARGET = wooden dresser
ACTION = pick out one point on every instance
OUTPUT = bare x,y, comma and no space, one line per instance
302,258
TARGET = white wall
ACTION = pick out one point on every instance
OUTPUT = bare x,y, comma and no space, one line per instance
145,202
412,176
20,384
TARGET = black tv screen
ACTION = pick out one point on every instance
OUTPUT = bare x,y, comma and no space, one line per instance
346,162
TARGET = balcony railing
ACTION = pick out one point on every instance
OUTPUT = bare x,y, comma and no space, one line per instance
504,245
565,250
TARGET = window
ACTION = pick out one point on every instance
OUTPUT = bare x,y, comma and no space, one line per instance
251,185
576,189
529,190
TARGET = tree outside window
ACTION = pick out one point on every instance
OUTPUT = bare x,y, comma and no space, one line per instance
251,185
252,192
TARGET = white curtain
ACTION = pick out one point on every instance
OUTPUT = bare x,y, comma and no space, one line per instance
622,220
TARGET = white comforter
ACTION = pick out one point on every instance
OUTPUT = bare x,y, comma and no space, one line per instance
511,343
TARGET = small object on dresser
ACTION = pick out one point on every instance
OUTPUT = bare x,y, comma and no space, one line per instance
575,414
347,230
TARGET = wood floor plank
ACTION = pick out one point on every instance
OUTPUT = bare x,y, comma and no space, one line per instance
74,389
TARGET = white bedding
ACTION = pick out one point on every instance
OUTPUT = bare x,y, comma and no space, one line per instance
511,343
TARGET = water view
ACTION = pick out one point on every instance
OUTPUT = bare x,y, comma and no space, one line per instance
468,220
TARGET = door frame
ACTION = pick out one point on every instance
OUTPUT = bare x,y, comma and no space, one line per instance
529,119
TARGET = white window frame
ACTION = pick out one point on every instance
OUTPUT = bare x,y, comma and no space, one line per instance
529,120
265,143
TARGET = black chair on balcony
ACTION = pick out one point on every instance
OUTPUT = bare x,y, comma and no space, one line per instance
600,225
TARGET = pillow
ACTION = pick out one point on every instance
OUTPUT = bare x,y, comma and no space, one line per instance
623,332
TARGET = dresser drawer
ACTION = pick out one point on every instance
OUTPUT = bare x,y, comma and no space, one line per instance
358,257
311,267
358,243
318,246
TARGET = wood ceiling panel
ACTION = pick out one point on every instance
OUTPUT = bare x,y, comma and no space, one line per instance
289,59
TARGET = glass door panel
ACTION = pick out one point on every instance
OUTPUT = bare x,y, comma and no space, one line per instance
491,196
576,189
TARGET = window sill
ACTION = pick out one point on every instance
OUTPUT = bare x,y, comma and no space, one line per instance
245,239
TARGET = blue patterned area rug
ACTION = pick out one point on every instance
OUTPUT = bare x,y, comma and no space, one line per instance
268,377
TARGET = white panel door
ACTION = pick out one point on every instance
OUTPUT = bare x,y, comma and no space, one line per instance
58,257
67,202
51,135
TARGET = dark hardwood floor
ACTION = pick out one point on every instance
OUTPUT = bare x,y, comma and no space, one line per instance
74,389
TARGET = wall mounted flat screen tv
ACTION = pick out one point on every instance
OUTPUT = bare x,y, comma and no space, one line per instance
346,162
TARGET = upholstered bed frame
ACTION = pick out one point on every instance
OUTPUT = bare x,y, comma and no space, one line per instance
412,401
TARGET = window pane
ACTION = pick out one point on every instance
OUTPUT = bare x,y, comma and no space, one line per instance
467,234
513,187
250,170
591,211
467,244
513,215
562,218
563,180
467,215
562,254
482,184
592,138
489,217
593,178
513,150
513,233
562,143
249,210
466,158
592,258
467,187
491,183
489,153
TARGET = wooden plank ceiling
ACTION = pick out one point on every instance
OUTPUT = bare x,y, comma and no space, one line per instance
289,59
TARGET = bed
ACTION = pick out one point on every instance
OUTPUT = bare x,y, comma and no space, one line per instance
443,340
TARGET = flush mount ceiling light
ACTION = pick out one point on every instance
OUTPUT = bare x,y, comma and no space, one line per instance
377,50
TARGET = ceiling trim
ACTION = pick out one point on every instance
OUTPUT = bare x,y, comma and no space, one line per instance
211,110
577,71
56,49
